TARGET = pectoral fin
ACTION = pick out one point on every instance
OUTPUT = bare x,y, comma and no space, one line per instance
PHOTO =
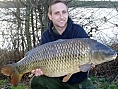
85,67
66,78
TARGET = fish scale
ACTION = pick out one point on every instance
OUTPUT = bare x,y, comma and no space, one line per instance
60,58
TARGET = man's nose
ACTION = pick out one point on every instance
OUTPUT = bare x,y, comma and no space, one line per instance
61,15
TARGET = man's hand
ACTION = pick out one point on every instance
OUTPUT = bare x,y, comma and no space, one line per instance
86,67
37,72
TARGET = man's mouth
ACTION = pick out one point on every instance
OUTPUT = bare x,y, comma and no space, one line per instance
61,21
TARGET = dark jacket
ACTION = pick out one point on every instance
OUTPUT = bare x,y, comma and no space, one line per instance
72,31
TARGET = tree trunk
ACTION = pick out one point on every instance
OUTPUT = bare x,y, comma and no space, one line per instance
27,25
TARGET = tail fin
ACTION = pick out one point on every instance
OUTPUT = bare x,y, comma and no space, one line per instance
10,70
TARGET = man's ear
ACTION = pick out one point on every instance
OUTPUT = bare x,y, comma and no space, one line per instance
49,16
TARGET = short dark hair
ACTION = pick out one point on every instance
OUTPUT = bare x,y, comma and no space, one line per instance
55,2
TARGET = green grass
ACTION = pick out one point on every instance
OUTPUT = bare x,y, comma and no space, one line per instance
18,87
102,83
4,83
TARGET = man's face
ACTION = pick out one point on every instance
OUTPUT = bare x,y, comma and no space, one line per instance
59,15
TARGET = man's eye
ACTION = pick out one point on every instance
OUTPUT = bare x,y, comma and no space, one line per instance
57,13
64,12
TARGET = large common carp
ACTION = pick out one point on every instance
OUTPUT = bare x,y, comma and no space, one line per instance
59,58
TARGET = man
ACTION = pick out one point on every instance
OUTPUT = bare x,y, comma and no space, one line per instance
61,27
